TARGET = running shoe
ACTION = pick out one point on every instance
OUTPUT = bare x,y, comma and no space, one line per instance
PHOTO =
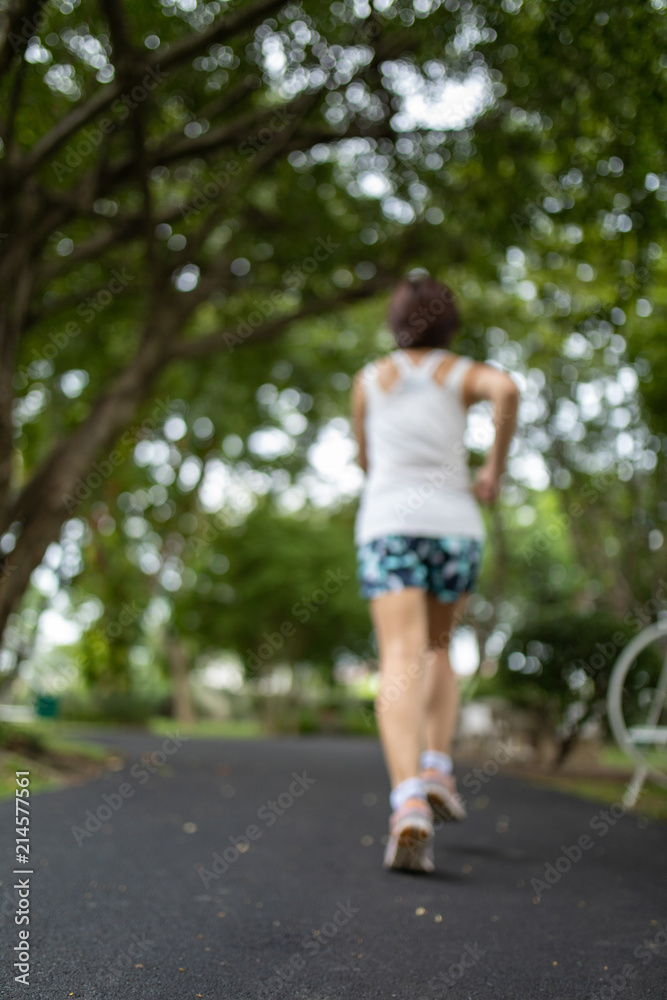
410,844
442,795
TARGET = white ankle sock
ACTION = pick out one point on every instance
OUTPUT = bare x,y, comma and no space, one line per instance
411,788
433,758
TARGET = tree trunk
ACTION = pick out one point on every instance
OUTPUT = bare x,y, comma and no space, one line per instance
65,479
178,665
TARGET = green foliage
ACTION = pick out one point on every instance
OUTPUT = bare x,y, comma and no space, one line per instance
21,740
104,705
337,715
48,751
543,208
277,588
559,661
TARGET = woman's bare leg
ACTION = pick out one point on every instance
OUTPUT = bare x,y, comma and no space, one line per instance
441,683
401,624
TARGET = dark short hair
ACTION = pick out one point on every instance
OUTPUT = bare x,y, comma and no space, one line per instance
422,313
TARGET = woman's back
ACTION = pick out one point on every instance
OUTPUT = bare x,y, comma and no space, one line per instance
418,481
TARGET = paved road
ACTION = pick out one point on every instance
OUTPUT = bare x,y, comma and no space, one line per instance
158,903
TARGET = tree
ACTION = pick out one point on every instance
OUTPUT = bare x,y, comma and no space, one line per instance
560,663
155,161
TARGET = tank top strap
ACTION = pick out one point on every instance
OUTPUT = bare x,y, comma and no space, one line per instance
454,377
423,371
369,379
403,363
431,362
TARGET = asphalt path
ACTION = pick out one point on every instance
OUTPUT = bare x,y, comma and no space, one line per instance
250,869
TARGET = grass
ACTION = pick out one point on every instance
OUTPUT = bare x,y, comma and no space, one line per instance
236,729
652,802
49,751
613,756
54,752
11,763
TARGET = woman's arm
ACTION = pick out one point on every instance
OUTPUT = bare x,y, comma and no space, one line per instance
485,382
358,416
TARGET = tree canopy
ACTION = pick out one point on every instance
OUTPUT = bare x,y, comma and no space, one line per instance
203,206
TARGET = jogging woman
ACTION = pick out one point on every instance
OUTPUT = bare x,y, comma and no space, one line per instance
420,535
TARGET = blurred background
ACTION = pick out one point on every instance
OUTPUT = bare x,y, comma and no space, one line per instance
205,206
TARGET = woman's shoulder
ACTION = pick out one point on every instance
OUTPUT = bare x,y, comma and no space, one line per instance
448,364
374,368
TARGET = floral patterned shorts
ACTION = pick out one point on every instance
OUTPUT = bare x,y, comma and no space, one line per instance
446,567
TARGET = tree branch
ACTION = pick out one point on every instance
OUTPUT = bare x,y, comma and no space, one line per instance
229,339
231,25
66,127
70,458
120,36
175,146
9,124
230,98
11,22
50,496
160,59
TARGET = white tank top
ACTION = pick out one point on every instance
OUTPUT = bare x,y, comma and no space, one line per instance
418,483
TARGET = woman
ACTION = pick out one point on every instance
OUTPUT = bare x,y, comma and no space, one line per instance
420,535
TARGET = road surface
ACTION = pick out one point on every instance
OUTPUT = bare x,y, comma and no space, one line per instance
250,869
